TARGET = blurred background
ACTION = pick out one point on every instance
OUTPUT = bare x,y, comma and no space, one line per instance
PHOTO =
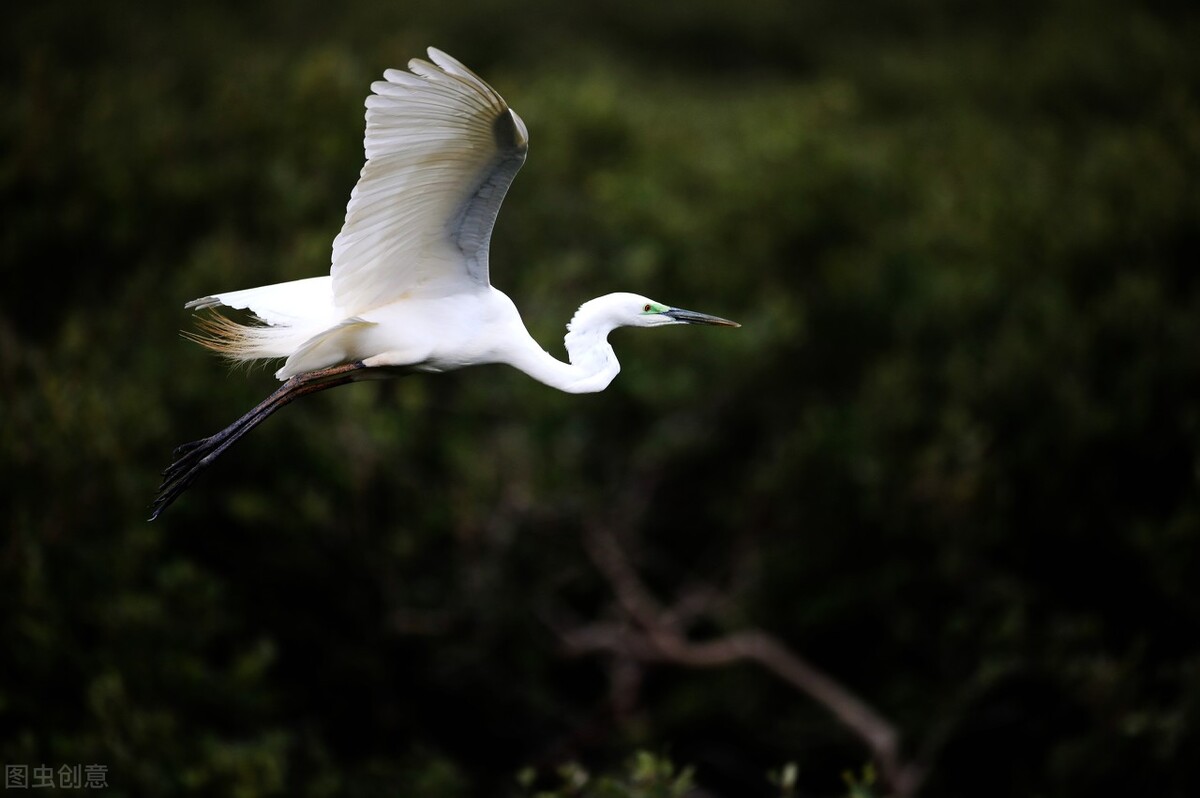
949,464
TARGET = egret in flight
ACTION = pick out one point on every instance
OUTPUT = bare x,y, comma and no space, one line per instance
409,289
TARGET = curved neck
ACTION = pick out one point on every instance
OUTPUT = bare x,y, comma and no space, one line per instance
593,363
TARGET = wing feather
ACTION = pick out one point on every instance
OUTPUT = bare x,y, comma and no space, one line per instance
442,149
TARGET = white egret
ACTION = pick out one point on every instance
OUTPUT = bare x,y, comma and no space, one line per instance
408,290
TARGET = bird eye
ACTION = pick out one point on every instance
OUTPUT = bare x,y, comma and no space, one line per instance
647,308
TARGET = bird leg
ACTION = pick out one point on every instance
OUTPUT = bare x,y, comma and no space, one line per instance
192,458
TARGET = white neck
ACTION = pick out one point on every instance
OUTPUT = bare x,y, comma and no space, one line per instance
593,363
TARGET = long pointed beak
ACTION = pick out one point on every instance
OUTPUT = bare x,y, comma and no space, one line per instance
692,317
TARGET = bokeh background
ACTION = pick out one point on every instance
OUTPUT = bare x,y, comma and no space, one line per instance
951,459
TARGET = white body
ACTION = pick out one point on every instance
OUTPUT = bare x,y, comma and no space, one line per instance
422,333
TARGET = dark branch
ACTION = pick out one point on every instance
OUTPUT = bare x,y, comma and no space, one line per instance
651,632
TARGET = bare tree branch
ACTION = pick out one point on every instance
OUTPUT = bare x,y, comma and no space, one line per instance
651,632
648,631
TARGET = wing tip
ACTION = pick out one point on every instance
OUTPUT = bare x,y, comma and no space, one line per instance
510,131
449,64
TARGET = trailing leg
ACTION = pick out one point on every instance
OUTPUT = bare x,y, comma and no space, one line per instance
192,458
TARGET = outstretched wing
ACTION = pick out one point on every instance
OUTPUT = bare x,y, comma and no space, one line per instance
442,149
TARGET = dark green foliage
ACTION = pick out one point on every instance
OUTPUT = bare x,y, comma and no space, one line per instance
951,458
644,776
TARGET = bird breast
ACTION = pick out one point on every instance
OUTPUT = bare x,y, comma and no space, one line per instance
444,333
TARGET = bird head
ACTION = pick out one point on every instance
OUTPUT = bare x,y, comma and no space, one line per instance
634,310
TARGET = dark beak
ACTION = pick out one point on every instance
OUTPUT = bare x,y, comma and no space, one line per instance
692,317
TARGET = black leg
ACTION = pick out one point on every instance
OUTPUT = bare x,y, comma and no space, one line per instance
192,458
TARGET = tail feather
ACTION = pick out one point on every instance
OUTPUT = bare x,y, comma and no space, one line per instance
286,316
242,342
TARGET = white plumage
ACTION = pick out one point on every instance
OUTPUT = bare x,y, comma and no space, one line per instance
409,286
